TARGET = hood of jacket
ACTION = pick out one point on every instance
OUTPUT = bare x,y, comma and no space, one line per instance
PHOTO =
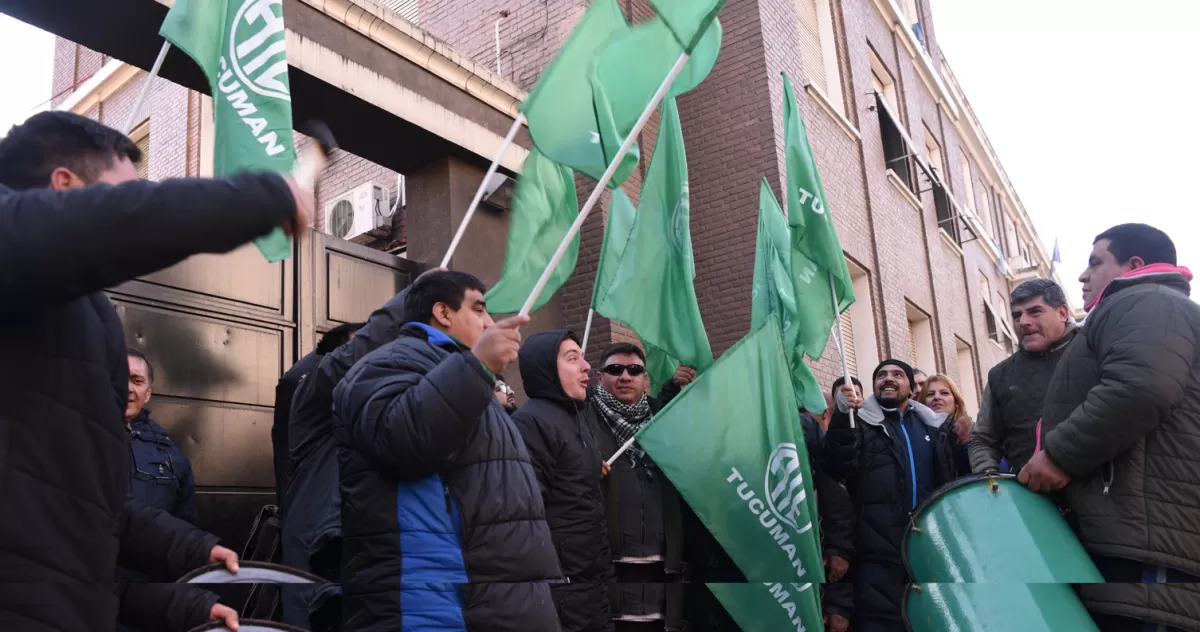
538,363
872,412
1178,277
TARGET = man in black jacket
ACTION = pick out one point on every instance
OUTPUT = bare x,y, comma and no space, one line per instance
836,513
286,389
568,468
898,452
644,511
1005,431
443,524
64,452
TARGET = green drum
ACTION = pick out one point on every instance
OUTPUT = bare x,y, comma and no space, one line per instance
988,555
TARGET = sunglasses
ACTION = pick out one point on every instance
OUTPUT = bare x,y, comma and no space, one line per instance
616,370
503,388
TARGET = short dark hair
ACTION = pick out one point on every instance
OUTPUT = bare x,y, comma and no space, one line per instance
337,337
1127,241
447,286
622,348
138,354
838,384
1046,289
49,140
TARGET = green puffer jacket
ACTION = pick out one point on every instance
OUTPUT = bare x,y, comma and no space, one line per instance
1122,418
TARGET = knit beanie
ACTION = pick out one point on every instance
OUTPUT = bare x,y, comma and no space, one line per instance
908,370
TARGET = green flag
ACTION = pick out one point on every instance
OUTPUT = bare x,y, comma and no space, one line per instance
732,444
770,606
239,44
687,19
816,252
651,288
544,207
563,120
774,294
616,236
632,66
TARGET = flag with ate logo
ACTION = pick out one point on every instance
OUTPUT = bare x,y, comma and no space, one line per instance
649,287
240,46
816,251
733,446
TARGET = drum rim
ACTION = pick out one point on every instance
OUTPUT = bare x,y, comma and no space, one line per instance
937,495
213,626
216,566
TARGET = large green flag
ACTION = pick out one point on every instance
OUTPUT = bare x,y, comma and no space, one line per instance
651,288
770,606
687,19
545,205
816,252
774,294
632,66
616,236
733,446
239,44
563,120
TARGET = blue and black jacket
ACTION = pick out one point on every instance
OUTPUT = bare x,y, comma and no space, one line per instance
443,526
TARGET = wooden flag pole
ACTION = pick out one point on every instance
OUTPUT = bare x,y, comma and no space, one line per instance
136,112
841,342
462,226
602,183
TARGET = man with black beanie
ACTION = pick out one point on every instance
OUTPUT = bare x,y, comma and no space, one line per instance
896,454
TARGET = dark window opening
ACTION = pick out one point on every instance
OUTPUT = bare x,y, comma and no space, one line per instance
897,154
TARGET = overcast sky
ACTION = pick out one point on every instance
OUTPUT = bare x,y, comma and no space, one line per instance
1089,104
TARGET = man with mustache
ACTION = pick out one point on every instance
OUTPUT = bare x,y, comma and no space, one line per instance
897,453
1006,429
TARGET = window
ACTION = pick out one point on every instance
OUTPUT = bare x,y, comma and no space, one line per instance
141,137
985,211
933,155
991,319
920,338
859,323
968,192
818,49
966,376
897,154
914,19
881,81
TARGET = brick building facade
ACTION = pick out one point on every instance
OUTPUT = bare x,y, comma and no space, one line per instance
932,228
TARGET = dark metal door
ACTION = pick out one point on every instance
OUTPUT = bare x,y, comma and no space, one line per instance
220,331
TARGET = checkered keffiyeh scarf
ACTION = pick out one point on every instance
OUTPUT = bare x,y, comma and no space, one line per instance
623,419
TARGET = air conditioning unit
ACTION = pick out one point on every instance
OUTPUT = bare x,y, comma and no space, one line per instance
362,214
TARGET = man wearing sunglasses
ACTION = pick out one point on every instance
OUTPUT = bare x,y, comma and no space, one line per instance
643,510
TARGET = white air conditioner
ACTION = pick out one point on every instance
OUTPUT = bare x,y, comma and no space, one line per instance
361,214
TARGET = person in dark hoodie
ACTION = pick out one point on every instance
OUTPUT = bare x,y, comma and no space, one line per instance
569,468
443,525
75,220
285,390
897,453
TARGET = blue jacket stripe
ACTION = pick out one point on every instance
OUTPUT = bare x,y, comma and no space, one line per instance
432,566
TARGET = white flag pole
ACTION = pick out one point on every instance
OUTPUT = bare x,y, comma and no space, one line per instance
135,113
587,329
616,455
841,341
602,183
462,226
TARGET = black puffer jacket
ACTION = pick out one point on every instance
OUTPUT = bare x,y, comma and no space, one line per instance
873,461
64,452
312,519
438,495
836,512
285,390
1122,418
565,457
